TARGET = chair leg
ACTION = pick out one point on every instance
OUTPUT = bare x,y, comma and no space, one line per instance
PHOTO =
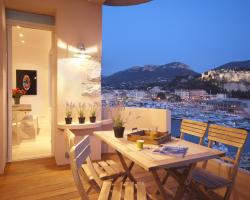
228,192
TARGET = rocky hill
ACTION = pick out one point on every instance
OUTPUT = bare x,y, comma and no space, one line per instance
136,77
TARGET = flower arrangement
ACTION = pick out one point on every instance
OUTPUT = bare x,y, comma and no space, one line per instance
69,112
17,93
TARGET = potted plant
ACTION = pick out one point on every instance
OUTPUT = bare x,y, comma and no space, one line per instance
93,109
118,117
69,112
16,94
81,113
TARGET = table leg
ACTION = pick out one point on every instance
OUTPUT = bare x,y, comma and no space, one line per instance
129,168
159,184
186,177
126,168
163,183
165,178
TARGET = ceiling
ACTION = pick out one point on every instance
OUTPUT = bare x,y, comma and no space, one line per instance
28,37
120,2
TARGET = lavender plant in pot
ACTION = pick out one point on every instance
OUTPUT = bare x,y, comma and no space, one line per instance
119,119
69,112
93,110
81,113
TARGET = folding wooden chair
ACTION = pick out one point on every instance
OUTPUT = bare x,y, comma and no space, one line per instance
189,127
116,191
96,172
205,181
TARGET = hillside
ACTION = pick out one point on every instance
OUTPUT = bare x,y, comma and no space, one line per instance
138,76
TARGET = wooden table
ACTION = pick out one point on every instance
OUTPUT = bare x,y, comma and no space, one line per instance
152,162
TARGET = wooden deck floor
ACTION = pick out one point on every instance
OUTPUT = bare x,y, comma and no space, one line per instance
43,179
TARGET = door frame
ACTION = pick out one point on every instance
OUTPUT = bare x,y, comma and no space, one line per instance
52,79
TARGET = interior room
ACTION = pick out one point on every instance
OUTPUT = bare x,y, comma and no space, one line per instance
31,119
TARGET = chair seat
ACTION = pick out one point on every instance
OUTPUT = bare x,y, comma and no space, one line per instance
120,191
209,180
105,169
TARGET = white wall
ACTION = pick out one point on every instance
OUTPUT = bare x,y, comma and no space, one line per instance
148,118
3,89
73,86
145,118
35,57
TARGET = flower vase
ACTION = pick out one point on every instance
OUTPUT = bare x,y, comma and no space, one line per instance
17,100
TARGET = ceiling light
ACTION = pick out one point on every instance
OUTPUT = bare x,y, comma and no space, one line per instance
20,35
18,27
23,41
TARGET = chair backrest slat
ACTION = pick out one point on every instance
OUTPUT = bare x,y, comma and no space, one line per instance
81,155
194,128
69,139
79,147
230,136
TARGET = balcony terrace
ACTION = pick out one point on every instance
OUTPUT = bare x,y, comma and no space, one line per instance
74,53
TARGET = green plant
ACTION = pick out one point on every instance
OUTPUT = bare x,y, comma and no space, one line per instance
93,109
81,109
118,122
69,109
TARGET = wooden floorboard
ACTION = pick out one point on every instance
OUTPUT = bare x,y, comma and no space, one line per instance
43,179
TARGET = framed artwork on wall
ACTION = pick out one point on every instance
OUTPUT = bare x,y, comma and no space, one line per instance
27,80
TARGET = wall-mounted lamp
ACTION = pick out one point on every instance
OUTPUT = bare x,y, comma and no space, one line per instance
81,51
81,47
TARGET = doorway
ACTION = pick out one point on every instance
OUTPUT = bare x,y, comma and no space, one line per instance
29,69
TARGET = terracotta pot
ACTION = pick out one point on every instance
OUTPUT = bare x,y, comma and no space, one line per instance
81,120
17,100
68,120
92,119
119,131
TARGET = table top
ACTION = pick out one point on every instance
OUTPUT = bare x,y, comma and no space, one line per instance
21,107
149,160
